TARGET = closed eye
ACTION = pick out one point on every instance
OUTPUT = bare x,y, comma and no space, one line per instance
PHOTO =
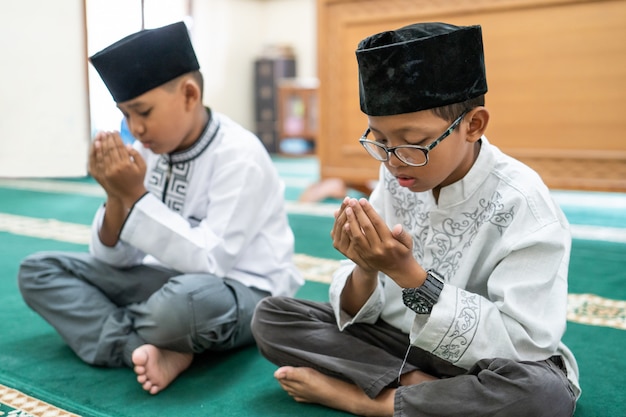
419,143
402,141
382,141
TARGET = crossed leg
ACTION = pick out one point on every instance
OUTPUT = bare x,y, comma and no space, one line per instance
310,386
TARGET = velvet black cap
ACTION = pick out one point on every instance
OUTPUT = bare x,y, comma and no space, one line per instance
145,60
419,67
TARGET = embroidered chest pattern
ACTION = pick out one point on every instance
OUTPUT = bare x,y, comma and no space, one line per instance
170,182
449,238
453,236
412,215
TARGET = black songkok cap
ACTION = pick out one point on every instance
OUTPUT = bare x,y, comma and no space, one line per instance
145,60
419,67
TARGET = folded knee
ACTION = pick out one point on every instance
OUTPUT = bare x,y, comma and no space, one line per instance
195,311
265,316
33,271
536,387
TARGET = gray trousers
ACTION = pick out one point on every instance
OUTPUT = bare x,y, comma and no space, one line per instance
304,333
104,313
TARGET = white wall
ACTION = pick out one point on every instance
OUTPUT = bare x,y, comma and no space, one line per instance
44,109
229,35
294,22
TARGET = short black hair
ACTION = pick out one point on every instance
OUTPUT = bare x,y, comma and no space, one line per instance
452,111
197,77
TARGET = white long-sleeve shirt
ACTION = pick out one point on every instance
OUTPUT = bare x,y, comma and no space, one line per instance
217,207
501,243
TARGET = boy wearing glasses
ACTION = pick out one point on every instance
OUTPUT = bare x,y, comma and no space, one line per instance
193,234
453,298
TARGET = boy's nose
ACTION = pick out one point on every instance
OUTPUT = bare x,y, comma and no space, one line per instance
136,128
394,161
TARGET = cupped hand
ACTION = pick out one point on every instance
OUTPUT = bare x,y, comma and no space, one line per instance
362,235
118,168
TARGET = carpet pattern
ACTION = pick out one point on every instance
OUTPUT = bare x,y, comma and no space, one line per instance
597,311
14,403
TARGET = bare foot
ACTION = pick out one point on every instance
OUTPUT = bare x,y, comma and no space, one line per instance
156,368
329,188
310,386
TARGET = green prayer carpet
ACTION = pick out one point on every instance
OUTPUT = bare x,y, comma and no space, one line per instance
35,361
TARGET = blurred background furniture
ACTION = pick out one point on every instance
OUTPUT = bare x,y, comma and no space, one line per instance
274,64
297,115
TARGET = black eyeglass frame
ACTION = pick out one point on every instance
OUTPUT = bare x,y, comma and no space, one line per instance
425,149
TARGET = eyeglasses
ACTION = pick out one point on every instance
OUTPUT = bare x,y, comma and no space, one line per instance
413,155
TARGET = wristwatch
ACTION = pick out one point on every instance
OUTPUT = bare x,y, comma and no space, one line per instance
423,298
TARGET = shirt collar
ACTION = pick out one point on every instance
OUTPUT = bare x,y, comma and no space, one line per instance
199,146
475,177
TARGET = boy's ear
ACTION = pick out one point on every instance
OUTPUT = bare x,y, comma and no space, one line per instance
191,92
478,119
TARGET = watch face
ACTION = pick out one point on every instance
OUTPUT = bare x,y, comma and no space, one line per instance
413,300
422,299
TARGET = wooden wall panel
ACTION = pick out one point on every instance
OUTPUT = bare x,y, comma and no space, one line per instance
556,71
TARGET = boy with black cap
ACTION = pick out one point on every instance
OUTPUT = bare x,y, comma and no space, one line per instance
193,234
460,254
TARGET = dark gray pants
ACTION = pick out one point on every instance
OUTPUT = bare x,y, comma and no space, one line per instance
105,313
304,333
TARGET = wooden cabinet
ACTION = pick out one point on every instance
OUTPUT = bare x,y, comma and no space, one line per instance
297,116
556,71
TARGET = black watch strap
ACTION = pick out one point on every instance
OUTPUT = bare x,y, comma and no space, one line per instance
422,299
